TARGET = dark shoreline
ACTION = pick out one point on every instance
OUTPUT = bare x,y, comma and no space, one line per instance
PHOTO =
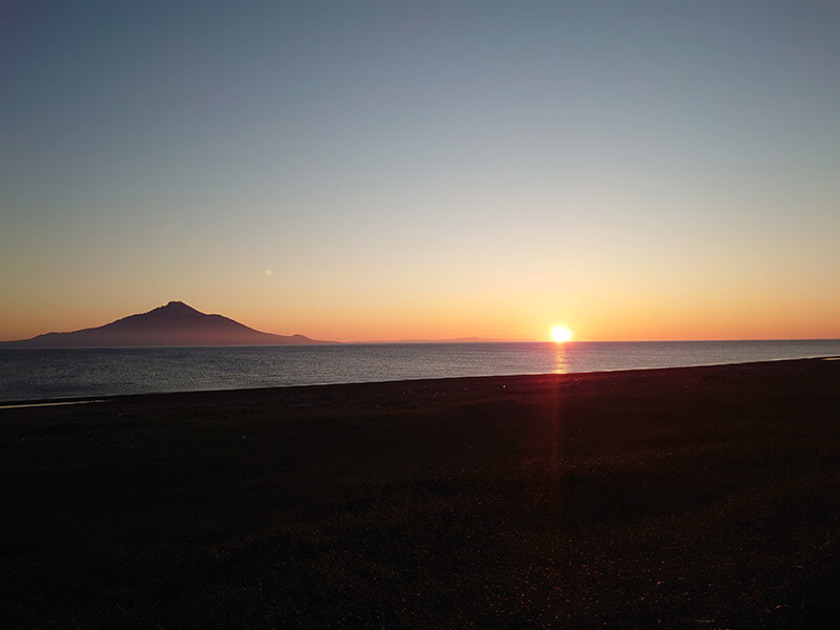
671,497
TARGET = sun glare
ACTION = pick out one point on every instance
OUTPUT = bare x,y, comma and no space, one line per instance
561,334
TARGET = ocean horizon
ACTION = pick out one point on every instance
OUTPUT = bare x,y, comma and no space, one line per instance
66,373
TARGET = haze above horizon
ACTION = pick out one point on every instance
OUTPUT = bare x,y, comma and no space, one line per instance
377,170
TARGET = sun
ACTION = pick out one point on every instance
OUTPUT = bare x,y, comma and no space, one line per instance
561,334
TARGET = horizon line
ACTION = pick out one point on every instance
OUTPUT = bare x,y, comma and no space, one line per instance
459,340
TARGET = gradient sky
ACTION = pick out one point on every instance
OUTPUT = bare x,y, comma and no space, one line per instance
635,170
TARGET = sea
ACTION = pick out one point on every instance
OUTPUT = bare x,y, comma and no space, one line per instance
44,374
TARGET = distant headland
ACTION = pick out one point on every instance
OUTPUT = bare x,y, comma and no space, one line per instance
175,324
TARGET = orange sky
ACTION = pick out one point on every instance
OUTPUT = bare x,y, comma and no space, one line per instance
636,171
530,317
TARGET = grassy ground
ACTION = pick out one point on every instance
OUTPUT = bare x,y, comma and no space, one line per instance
701,497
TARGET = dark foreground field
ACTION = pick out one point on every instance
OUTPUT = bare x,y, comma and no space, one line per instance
703,497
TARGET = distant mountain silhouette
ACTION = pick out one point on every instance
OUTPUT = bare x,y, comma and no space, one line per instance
175,324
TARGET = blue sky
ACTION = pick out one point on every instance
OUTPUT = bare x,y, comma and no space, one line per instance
420,169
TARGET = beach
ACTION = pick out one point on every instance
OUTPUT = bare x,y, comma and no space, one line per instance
686,497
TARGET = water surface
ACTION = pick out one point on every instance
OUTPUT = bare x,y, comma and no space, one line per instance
36,374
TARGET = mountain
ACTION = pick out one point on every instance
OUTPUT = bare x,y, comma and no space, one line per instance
175,324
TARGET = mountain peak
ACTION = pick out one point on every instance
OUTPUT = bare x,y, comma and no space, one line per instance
176,305
173,311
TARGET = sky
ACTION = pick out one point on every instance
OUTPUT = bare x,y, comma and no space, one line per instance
360,171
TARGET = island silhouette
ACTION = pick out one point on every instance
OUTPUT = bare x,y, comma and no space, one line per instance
175,324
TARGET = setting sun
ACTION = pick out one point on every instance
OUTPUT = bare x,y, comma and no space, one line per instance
561,334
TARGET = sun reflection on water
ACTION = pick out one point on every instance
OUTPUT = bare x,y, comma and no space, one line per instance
560,359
